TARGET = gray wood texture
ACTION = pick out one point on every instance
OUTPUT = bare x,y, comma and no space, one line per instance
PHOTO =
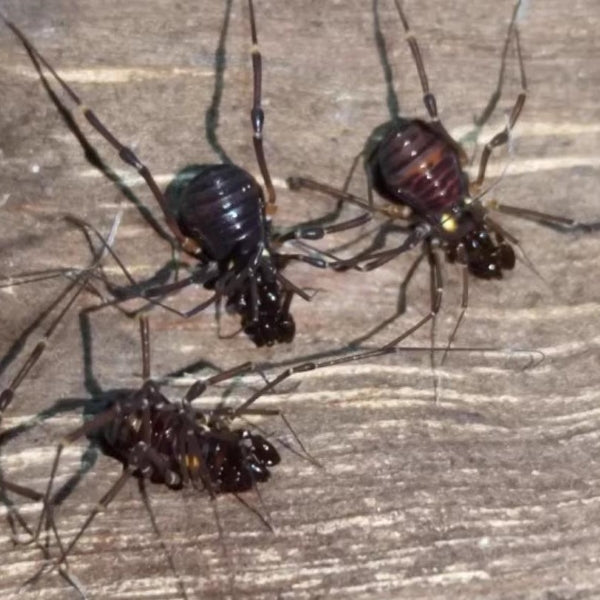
493,490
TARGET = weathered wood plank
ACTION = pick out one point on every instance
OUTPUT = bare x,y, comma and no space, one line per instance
490,492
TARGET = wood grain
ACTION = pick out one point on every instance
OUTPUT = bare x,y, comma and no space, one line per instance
490,492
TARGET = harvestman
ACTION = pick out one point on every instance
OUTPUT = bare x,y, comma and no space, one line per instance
218,215
417,165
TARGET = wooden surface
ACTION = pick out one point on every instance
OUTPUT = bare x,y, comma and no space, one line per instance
493,491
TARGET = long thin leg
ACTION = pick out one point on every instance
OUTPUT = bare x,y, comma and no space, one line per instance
437,291
344,190
145,345
101,506
35,497
29,494
17,346
211,116
8,394
502,137
226,554
78,285
332,216
200,386
315,261
94,158
125,154
497,93
377,243
435,287
147,294
463,304
400,308
390,211
162,291
157,532
266,519
257,115
428,97
391,348
419,233
555,222
29,277
90,426
318,232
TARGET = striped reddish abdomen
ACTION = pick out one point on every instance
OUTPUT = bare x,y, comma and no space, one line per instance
417,166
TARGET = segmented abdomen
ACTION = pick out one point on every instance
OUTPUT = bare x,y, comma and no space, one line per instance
414,165
220,206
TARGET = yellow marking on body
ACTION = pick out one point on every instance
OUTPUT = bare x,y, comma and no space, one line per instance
190,245
191,461
254,49
448,222
395,212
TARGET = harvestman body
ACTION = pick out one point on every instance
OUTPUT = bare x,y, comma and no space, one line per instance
220,218
416,164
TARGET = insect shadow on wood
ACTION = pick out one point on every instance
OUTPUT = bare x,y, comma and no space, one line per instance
52,315
221,219
417,167
56,310
15,520
61,306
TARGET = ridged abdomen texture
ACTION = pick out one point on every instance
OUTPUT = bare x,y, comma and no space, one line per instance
415,166
221,208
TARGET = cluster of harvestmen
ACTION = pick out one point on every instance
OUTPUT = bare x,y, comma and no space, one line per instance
218,215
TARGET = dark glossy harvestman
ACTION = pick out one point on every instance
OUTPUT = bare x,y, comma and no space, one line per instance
218,215
418,167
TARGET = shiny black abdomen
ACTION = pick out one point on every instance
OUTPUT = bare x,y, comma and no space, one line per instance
221,207
417,166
